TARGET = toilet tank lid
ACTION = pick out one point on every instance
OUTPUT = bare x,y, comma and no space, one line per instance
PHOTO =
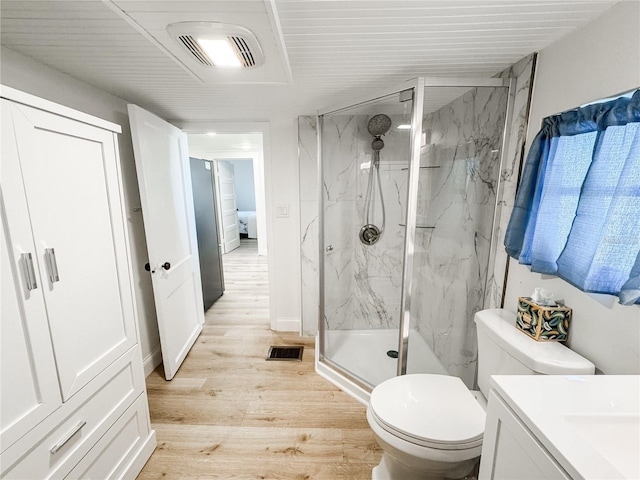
549,358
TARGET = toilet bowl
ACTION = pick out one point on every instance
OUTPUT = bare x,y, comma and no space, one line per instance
431,426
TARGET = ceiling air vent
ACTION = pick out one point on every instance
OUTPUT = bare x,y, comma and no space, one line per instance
218,44
244,51
194,48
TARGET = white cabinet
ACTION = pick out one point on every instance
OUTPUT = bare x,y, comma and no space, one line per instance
510,451
70,359
562,426
29,390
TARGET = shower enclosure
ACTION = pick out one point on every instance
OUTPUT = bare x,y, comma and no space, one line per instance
408,185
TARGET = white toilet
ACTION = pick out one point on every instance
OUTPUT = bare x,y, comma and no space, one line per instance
431,426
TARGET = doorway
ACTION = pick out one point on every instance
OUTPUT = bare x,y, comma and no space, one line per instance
238,162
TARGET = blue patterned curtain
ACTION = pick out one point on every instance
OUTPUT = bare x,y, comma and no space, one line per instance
577,212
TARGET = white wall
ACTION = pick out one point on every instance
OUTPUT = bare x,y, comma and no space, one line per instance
599,60
281,180
29,76
245,190
284,243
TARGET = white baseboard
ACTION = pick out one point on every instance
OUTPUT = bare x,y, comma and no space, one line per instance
151,361
287,325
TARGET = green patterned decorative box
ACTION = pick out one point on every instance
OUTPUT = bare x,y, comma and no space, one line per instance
543,323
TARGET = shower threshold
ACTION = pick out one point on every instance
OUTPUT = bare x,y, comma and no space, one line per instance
347,366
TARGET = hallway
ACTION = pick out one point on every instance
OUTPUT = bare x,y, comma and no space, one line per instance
246,297
228,413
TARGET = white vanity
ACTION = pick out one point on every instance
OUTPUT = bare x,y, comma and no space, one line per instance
562,427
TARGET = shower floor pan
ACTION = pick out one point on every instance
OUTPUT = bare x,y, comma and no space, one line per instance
363,353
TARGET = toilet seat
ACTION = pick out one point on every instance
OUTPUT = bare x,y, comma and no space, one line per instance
435,411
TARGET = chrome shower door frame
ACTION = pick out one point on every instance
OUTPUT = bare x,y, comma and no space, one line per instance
412,196
418,86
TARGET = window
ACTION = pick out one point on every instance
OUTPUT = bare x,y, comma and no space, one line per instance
577,212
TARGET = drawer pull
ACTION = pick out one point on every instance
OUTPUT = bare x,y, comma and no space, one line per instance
67,437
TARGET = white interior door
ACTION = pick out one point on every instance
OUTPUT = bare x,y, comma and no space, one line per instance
228,209
164,177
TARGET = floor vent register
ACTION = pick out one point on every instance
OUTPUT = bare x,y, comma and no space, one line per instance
285,353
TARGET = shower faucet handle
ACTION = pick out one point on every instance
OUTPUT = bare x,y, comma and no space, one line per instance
329,248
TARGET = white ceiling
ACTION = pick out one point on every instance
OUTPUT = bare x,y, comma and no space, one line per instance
203,144
317,53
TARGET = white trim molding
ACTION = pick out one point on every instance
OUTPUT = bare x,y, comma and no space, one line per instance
288,325
151,361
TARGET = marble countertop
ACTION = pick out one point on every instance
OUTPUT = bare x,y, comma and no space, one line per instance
590,424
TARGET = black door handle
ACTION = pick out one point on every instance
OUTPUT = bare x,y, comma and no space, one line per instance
147,267
166,265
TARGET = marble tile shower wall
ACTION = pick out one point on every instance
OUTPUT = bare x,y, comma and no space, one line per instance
362,283
341,148
451,257
522,72
308,181
476,280
378,267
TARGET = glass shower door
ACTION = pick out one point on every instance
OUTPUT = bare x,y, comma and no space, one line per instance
460,163
364,166
409,184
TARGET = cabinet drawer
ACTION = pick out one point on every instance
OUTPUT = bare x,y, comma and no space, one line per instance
55,446
123,451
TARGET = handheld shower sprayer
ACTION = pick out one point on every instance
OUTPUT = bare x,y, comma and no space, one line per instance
369,234
378,125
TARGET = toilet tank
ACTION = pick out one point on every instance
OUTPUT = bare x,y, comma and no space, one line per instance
504,350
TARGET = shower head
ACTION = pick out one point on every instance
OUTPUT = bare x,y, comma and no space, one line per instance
379,125
377,144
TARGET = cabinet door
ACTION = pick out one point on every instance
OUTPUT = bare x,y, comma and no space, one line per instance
28,383
71,179
510,451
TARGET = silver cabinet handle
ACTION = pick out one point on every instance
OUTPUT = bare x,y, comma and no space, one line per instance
61,443
28,271
52,265
329,248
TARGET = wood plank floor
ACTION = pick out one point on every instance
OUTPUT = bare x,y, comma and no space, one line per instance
228,413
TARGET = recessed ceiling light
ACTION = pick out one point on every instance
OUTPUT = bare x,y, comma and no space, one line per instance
220,52
404,126
211,134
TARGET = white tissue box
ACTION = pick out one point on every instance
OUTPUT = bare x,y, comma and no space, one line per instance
543,323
